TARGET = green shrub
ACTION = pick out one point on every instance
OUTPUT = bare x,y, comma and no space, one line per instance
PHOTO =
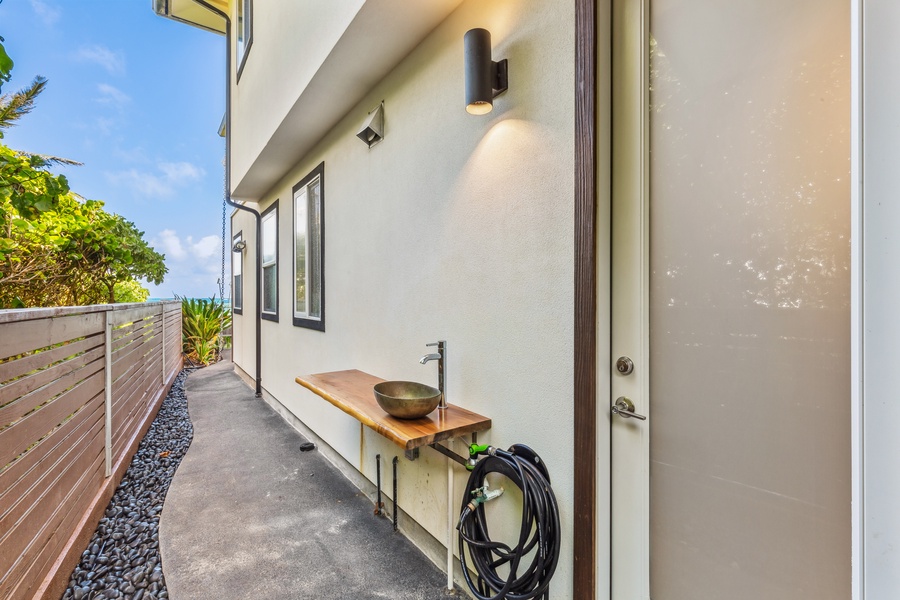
130,291
202,323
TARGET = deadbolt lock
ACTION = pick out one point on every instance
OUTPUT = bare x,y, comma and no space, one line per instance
624,365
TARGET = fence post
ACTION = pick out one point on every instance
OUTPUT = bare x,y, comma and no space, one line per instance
108,388
163,306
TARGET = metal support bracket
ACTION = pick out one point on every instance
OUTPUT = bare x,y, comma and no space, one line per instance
450,454
500,73
411,454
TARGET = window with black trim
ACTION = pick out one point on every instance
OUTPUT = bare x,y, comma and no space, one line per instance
244,36
309,250
270,263
237,273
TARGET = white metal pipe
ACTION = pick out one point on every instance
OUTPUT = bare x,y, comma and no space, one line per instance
450,519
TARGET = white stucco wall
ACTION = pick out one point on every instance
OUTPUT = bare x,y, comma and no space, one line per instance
879,328
454,227
244,325
314,62
285,52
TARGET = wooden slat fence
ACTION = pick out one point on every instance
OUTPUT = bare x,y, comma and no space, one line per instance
78,389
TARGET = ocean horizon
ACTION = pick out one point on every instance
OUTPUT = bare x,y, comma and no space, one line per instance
227,300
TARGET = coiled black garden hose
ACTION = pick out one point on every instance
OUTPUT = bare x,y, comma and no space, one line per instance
538,536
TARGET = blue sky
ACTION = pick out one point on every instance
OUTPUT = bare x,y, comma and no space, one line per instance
138,99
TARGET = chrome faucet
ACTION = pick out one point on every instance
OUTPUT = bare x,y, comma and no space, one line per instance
441,357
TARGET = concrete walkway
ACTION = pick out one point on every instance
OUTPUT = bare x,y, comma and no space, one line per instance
249,515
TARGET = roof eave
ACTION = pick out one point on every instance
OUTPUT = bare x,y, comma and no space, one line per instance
191,13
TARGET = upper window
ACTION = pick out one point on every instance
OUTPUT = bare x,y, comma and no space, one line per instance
244,32
237,273
270,263
309,250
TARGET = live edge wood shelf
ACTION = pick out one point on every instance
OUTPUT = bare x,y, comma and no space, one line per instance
351,391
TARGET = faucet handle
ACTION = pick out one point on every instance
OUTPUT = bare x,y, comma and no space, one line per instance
440,343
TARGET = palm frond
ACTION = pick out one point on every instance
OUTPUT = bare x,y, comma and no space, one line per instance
57,160
15,106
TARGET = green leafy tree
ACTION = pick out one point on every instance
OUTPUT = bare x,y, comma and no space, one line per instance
55,247
25,181
104,250
75,254
26,186
131,291
6,64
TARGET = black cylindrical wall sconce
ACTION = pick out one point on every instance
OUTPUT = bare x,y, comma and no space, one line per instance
485,79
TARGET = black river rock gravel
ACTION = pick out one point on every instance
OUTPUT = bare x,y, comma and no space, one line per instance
122,559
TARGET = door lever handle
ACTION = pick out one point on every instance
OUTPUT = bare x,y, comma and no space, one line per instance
625,409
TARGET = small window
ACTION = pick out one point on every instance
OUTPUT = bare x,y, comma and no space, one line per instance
309,250
270,263
244,33
237,273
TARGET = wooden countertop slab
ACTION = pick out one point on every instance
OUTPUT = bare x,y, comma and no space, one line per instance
351,391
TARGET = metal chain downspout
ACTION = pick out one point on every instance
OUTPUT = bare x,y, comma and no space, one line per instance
257,217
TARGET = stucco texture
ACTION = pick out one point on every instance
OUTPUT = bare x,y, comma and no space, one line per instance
454,227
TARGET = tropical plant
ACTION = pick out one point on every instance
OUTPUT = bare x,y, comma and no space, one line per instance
202,324
15,106
75,254
26,184
130,291
55,247
6,64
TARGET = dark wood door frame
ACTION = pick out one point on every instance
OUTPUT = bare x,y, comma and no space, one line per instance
585,343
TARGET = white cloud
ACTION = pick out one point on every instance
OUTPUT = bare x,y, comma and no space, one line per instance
159,185
169,244
181,172
136,154
104,125
113,62
198,252
194,266
48,13
142,183
207,247
112,95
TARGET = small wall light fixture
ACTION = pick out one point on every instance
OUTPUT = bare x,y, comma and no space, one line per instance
485,78
239,246
372,130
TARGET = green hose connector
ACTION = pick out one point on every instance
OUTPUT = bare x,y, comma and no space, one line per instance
476,450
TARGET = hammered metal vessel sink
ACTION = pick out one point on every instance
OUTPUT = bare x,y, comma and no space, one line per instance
406,399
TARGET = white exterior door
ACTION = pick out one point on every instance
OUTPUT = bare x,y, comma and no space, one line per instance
731,298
